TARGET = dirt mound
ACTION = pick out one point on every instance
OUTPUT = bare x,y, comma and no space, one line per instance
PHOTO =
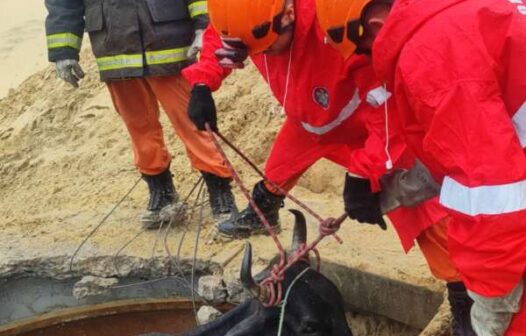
67,149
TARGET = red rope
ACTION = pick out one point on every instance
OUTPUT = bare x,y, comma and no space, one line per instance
274,185
246,193
327,227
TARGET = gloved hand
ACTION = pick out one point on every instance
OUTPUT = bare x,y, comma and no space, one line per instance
69,70
233,54
202,108
196,46
408,188
361,203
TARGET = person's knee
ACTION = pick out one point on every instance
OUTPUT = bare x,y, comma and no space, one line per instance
492,316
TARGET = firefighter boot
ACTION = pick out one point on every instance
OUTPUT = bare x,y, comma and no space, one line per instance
162,197
221,198
460,308
247,222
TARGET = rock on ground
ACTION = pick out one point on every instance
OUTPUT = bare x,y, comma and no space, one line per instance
207,314
212,288
93,286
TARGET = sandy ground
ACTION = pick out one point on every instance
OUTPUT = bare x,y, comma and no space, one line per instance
22,41
65,161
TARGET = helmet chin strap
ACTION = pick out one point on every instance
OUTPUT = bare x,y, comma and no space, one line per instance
287,81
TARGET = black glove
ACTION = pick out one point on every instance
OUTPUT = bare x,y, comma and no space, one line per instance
361,203
202,108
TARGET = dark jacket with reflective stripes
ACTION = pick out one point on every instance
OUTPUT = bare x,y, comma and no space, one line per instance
130,38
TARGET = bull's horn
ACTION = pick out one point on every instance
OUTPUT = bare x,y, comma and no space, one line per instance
300,230
246,270
259,292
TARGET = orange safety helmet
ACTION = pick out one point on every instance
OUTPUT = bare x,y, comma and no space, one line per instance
341,22
256,23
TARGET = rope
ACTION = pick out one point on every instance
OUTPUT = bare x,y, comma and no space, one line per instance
246,193
199,184
101,223
286,299
327,227
200,194
274,185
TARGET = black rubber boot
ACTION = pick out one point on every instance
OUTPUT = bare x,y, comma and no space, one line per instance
460,308
222,200
247,222
162,196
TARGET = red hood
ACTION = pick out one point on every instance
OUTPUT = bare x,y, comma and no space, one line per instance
405,19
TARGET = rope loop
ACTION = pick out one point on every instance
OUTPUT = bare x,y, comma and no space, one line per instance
327,227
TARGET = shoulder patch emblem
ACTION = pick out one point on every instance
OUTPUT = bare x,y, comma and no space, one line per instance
321,97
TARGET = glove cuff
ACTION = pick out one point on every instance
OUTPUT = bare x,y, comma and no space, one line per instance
358,184
201,89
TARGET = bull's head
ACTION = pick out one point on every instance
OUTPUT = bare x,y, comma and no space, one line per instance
314,307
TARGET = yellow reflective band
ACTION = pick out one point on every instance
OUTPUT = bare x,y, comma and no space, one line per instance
198,8
120,62
64,40
166,56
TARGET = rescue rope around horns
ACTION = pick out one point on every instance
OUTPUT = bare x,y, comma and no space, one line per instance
327,226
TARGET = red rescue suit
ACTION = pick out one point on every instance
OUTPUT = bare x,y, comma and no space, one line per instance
458,72
328,116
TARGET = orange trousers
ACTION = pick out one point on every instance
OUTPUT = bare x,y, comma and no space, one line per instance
137,102
433,244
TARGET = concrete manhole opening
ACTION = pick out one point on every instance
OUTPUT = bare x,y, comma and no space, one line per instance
45,306
131,318
42,306
127,318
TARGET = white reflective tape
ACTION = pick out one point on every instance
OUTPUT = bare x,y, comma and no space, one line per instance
519,121
377,97
484,200
346,112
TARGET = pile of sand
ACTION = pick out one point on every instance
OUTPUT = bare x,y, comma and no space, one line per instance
65,152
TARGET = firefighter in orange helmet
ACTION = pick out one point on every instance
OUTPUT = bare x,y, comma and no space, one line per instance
456,71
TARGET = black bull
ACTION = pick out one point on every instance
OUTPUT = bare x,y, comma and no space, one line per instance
314,307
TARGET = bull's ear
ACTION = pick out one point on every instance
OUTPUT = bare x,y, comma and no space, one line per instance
299,236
